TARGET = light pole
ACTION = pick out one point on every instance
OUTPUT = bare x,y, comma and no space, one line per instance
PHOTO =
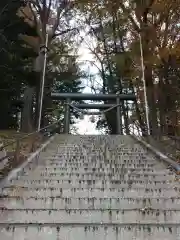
40,100
144,87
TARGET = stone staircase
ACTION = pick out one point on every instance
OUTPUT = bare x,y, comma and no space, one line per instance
91,188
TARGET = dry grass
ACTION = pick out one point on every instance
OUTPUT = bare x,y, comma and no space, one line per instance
27,146
167,146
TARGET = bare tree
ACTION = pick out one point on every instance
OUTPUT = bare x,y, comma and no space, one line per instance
50,18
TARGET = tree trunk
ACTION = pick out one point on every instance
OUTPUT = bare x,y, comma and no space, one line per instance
111,120
148,67
162,107
151,100
126,117
47,103
27,111
5,116
138,112
37,103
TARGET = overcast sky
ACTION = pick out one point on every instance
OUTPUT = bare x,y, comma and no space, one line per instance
85,126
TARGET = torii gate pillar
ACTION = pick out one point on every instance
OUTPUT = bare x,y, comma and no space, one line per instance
79,96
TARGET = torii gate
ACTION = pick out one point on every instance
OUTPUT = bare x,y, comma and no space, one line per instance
94,97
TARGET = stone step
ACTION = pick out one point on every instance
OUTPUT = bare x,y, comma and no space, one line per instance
96,184
97,187
90,168
102,185
137,198
99,169
89,232
79,203
58,183
96,146
90,177
128,193
122,176
83,158
93,168
93,164
89,216
84,155
99,172
54,175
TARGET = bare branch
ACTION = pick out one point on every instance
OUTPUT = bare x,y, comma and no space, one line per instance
64,32
49,8
64,6
57,21
35,3
23,13
4,8
35,21
125,10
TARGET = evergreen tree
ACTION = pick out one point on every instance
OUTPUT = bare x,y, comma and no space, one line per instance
117,28
13,61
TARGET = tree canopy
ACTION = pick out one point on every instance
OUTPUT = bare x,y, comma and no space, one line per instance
115,33
117,28
16,65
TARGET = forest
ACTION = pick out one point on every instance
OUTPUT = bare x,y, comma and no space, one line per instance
117,33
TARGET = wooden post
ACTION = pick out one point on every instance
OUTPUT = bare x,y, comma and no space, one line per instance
17,151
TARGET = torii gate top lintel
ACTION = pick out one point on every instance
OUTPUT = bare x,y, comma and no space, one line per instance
91,96
94,97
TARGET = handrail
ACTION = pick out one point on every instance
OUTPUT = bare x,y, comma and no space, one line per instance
28,135
16,155
152,144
